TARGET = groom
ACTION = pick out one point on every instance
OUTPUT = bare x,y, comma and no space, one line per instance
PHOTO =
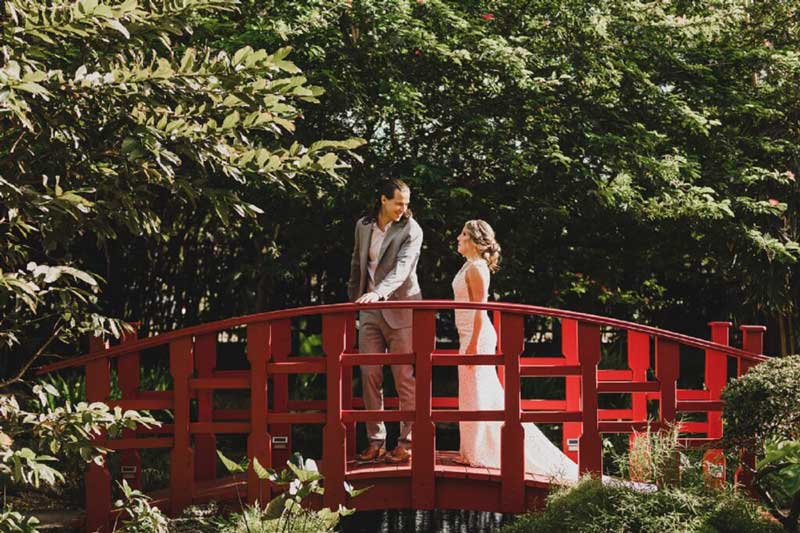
384,267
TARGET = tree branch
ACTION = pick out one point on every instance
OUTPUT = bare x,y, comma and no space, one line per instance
772,506
35,356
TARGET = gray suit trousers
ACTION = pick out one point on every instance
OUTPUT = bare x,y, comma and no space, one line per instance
375,336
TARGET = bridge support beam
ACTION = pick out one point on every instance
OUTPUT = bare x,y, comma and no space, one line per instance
590,451
259,442
128,375
205,444
423,495
667,371
638,362
98,478
281,343
334,448
569,348
347,384
716,374
181,479
512,458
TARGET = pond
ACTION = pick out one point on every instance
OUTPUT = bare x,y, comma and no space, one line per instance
443,521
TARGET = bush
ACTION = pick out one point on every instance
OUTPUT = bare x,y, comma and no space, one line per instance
138,516
286,512
763,405
653,457
36,443
762,413
590,506
680,503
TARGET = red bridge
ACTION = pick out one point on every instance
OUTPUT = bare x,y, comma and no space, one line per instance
431,480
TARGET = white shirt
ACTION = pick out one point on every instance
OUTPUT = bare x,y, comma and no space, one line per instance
375,244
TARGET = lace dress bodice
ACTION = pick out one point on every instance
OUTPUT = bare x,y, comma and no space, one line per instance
465,318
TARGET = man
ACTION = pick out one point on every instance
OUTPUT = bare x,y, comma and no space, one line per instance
384,267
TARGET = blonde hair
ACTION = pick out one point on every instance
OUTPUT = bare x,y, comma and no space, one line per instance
482,235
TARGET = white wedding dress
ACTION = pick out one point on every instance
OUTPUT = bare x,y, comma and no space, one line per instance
479,389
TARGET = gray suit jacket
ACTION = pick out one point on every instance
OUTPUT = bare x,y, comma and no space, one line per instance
396,273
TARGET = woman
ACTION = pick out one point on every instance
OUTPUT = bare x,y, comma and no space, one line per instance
479,388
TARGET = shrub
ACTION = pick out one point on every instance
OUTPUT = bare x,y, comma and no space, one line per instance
138,515
590,506
286,512
33,439
763,404
682,503
654,457
762,414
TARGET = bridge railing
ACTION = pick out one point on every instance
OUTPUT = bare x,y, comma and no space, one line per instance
193,359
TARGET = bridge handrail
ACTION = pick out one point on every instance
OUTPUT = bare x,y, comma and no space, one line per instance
196,421
328,309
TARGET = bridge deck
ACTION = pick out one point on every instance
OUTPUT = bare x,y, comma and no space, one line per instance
457,487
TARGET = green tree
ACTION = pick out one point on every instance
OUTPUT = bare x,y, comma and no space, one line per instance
637,160
112,121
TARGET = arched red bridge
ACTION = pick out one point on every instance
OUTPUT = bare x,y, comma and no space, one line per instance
431,480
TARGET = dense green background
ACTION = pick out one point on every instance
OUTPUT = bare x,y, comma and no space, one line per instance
637,160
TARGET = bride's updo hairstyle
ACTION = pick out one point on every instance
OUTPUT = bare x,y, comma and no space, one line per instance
482,235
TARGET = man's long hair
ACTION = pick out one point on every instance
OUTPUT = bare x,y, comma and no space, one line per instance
387,189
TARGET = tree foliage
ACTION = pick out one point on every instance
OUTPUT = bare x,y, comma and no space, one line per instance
112,120
637,160
36,440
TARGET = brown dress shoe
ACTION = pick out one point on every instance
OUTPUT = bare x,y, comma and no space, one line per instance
399,455
372,454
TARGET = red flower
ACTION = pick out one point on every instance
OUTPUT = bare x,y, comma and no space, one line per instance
789,174
487,16
417,52
773,202
556,292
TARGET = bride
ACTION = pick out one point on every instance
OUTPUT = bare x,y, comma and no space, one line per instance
479,388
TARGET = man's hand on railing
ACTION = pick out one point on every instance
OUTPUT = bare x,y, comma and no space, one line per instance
368,298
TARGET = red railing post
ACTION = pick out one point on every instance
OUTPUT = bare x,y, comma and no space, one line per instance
205,444
667,370
98,478
716,374
569,348
638,362
423,491
512,457
752,341
281,337
347,385
128,374
259,442
334,446
181,482
590,448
